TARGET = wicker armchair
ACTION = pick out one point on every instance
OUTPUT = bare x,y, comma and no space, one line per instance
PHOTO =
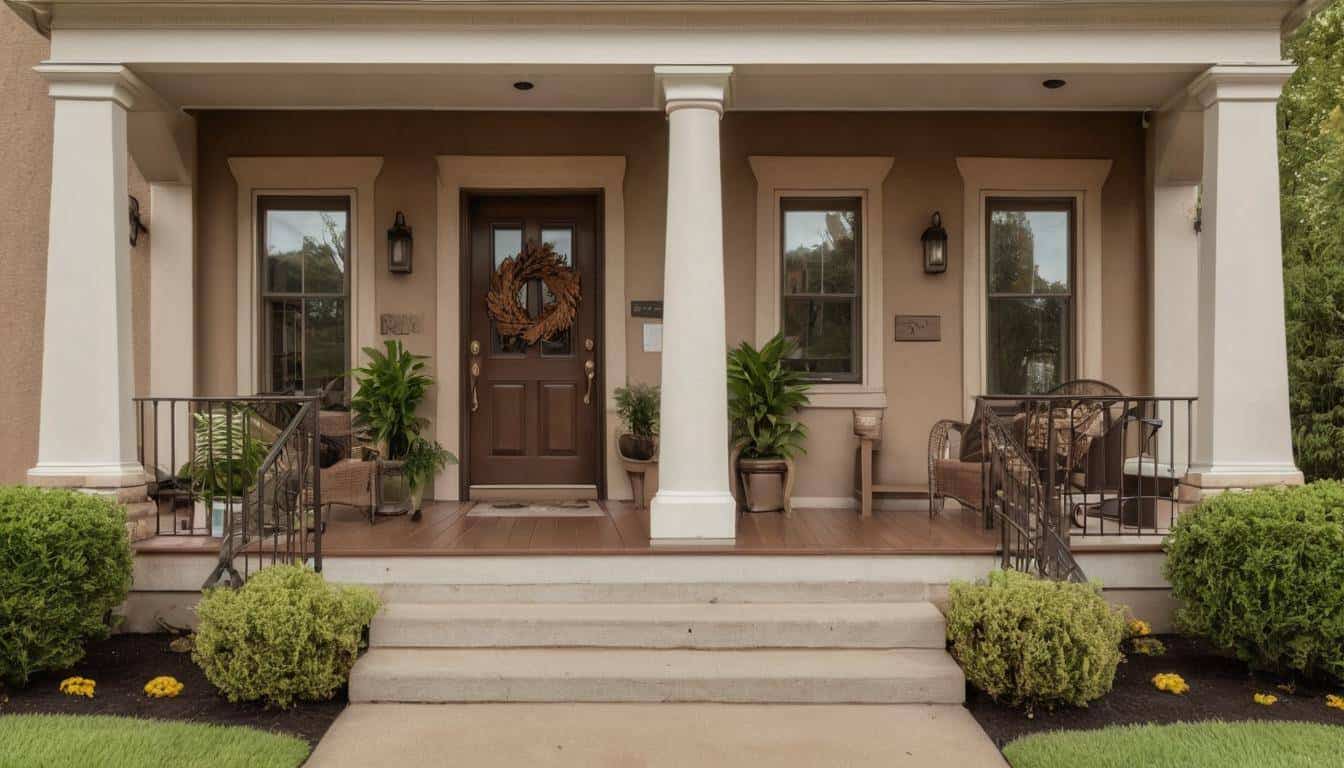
353,479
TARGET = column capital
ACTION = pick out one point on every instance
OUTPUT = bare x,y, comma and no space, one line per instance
694,86
98,82
1240,82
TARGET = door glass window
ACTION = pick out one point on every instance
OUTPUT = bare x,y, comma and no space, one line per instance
562,240
508,243
305,287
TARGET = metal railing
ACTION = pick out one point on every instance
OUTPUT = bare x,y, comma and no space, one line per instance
244,470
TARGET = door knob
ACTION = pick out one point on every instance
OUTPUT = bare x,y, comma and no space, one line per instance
475,348
589,370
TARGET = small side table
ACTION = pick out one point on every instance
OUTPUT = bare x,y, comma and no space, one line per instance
867,485
381,508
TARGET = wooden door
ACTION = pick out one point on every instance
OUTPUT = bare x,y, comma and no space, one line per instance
534,411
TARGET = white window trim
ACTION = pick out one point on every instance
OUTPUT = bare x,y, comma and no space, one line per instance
352,177
991,177
862,177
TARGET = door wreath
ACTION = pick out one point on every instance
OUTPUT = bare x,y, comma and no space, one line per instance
535,262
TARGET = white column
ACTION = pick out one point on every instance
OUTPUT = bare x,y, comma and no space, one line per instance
87,434
693,500
172,326
1242,436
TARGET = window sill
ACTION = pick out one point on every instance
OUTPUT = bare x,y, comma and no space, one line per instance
846,396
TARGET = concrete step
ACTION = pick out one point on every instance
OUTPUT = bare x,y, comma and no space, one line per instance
659,592
659,625
905,676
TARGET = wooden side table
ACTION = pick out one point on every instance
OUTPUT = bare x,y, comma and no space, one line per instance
867,486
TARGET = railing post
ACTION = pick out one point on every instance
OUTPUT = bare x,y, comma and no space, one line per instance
317,490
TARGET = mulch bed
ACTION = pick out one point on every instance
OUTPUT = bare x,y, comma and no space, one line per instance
122,664
1220,689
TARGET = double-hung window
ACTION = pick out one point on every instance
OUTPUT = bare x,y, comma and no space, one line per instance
822,244
305,291
1030,299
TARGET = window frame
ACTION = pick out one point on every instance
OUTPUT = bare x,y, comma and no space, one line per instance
814,203
264,204
1032,204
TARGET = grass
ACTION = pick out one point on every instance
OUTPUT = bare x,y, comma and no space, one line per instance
1187,745
102,741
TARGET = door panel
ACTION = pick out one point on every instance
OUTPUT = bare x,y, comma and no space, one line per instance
530,424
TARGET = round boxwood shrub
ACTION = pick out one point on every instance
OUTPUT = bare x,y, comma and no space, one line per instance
1262,574
286,635
65,563
1025,640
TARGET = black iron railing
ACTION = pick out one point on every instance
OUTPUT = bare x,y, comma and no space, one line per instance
243,470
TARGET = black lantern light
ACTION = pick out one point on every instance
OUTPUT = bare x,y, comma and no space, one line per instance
935,246
399,245
137,224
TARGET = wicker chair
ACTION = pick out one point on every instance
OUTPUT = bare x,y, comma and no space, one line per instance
352,481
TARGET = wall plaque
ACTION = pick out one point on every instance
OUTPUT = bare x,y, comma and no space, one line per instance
398,325
919,327
646,308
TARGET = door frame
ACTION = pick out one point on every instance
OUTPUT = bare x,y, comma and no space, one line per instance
556,174
466,196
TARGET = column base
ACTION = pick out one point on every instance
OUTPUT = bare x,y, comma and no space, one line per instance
693,515
1203,482
126,484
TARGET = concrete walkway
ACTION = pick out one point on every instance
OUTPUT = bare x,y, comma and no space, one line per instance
648,735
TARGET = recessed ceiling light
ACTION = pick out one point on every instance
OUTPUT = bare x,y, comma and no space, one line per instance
524,85
1054,83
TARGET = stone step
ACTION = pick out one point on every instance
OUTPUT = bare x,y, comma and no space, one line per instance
659,625
807,676
659,592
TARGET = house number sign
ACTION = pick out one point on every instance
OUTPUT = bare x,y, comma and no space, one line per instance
919,327
646,308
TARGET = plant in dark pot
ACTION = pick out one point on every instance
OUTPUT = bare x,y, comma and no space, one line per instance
228,448
637,406
764,397
423,460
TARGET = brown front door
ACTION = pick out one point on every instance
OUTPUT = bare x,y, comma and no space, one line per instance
535,416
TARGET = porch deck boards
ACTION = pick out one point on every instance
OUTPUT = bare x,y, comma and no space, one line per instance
446,530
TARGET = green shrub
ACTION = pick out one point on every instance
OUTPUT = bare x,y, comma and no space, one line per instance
65,563
1262,574
286,635
1030,641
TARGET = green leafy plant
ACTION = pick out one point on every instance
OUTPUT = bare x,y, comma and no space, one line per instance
391,386
637,406
423,459
227,451
1025,640
764,394
1262,574
285,636
65,563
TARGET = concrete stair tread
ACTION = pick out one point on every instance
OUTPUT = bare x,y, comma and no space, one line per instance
637,674
648,612
736,592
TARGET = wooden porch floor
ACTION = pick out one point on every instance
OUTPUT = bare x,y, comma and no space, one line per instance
445,529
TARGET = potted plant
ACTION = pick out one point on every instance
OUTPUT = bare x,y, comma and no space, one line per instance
226,455
637,407
423,459
764,395
389,390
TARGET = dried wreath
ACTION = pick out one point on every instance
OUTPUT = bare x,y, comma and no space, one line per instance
536,262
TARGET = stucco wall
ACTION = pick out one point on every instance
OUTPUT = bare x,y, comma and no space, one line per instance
25,192
923,381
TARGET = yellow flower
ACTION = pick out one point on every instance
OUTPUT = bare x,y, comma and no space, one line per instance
1139,628
163,687
78,686
1170,682
1334,702
1265,698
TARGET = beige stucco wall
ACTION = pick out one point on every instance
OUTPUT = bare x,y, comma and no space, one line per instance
25,189
923,380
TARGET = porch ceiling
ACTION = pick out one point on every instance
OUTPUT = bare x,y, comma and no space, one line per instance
631,87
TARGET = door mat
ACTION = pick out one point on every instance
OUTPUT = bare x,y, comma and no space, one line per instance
535,509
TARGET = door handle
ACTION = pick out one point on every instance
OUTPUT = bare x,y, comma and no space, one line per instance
589,370
475,372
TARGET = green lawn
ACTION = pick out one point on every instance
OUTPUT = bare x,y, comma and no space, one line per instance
1187,745
99,741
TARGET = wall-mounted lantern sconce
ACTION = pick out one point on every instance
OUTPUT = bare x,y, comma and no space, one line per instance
137,226
935,246
399,245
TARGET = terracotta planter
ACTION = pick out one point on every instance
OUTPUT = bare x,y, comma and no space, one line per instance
766,483
637,448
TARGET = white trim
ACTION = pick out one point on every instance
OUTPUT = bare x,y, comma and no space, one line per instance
862,177
459,172
986,177
350,176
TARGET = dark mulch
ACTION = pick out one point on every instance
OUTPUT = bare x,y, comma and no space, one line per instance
1220,689
122,664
